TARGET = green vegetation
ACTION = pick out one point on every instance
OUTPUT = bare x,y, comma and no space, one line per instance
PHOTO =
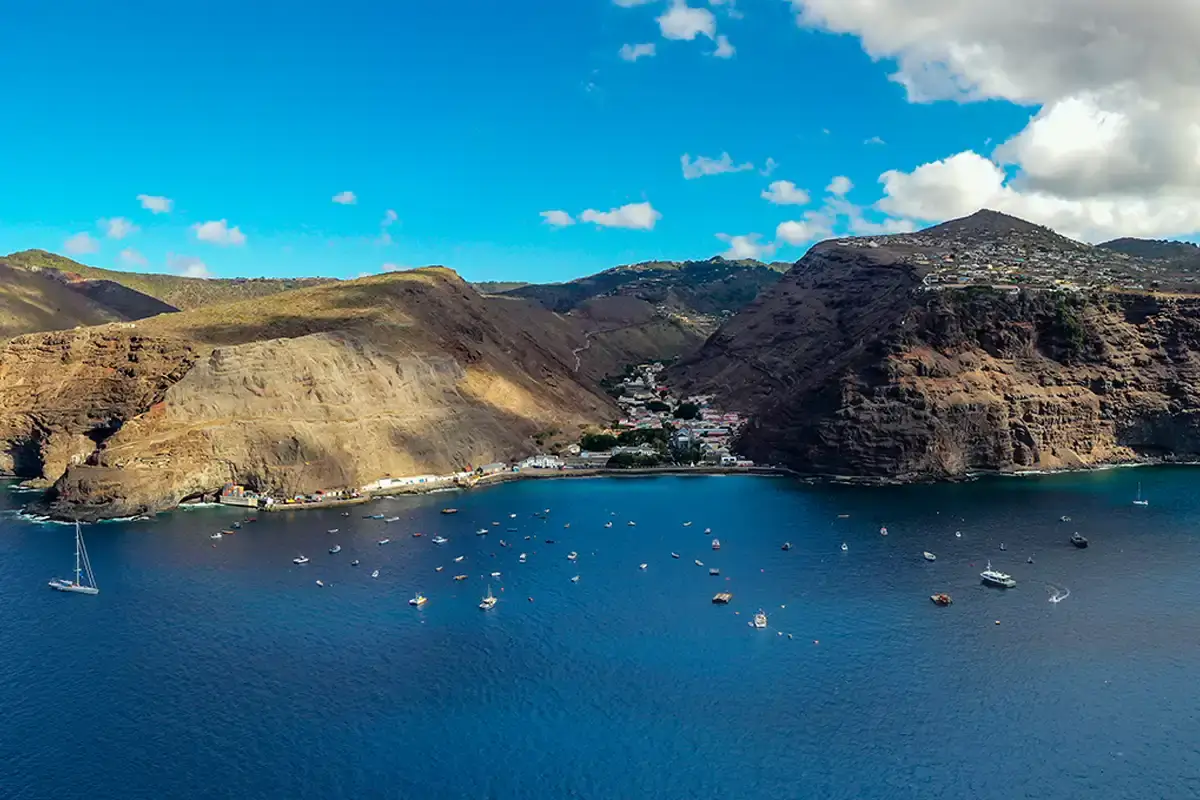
597,442
658,406
655,437
687,411
629,460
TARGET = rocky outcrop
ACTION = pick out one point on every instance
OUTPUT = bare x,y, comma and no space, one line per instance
321,388
851,366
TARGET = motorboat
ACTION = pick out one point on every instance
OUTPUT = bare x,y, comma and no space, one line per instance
699,563
786,546
489,601
460,577
373,516
84,581
217,535
345,513
495,524
459,559
333,530
714,571
320,583
418,600
707,531
392,519
929,556
716,544
760,620
575,579
687,524
384,541
449,510
571,556
237,526
522,558
354,563
631,524
512,516
300,560
549,541
993,577
375,574
481,532
567,525
333,551
1002,546
495,574
941,599
674,555
844,547
1064,518
1079,540
608,524
440,540
883,531
642,566
417,534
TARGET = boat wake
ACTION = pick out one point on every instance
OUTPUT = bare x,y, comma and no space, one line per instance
1058,595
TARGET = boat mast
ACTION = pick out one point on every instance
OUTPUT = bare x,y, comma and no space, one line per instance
76,552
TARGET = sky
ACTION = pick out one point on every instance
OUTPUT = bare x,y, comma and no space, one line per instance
543,140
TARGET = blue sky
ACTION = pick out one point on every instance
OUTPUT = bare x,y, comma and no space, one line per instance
466,119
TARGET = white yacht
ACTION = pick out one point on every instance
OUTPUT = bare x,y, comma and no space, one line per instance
384,541
929,556
481,532
844,547
699,563
300,560
488,602
217,535
333,530
83,566
608,524
459,559
993,577
760,619
674,555
440,540
571,556
375,574
1139,501
418,600
333,551
495,574
392,519
575,579
522,558
642,566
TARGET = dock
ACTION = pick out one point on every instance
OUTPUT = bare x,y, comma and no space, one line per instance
722,598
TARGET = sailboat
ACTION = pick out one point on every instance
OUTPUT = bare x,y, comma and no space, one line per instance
83,565
1139,501
488,602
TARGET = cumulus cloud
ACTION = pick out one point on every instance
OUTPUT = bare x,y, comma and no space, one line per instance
768,167
219,232
874,140
838,216
132,258
558,219
345,198
798,232
187,266
632,52
702,165
724,48
785,193
156,204
117,227
636,216
840,186
81,244
747,246
681,21
1113,146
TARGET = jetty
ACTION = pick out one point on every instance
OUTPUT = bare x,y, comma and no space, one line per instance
722,598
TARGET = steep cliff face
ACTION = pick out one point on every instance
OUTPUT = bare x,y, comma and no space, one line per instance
320,388
850,366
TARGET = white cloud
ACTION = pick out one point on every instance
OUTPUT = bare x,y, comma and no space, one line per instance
724,48
785,193
132,258
188,266
389,217
156,204
798,232
558,219
345,198
840,186
117,227
838,216
874,140
768,167
681,21
702,165
219,232
747,246
1113,147
81,244
384,239
632,52
631,3
637,216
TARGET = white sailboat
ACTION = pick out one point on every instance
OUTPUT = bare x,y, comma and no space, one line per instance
83,566
1139,501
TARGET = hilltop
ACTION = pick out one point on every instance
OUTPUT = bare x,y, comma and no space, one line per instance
324,387
179,292
1154,248
986,343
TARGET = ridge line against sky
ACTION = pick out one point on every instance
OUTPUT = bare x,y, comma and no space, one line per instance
542,141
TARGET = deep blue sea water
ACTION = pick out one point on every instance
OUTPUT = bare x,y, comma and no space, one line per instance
226,672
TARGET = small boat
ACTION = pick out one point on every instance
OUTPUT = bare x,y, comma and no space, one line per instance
481,532
571,556
993,577
449,510
83,566
495,574
438,569
714,571
237,526
707,531
217,535
321,583
373,516
687,524
354,563
440,540
460,577
760,620
417,534
392,519
300,560
418,600
883,531
1029,560
722,598
522,558
345,513
512,516
495,524
1139,501
1064,518
503,543
844,547
716,544
843,516
674,555
958,534
642,566
786,546
929,556
608,524
337,548
941,599
1002,547
631,524
1079,540
511,530
489,601
333,530
549,541
384,541
575,579
699,563
228,532
375,574
567,525
459,559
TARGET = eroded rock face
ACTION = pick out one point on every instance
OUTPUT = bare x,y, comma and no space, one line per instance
850,367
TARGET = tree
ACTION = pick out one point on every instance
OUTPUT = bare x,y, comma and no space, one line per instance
658,406
628,460
687,411
597,442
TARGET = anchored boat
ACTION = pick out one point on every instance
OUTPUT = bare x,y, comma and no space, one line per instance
83,567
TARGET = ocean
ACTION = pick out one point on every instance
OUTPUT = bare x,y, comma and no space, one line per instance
224,671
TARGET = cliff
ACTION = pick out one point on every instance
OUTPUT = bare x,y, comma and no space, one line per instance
857,364
325,387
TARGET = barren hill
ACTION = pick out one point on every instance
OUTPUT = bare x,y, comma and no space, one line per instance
325,387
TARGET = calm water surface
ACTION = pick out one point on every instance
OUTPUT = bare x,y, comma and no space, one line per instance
226,672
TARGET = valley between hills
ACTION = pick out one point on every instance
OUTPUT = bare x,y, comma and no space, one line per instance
983,344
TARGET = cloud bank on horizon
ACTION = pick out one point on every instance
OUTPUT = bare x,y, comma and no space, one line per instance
1082,115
